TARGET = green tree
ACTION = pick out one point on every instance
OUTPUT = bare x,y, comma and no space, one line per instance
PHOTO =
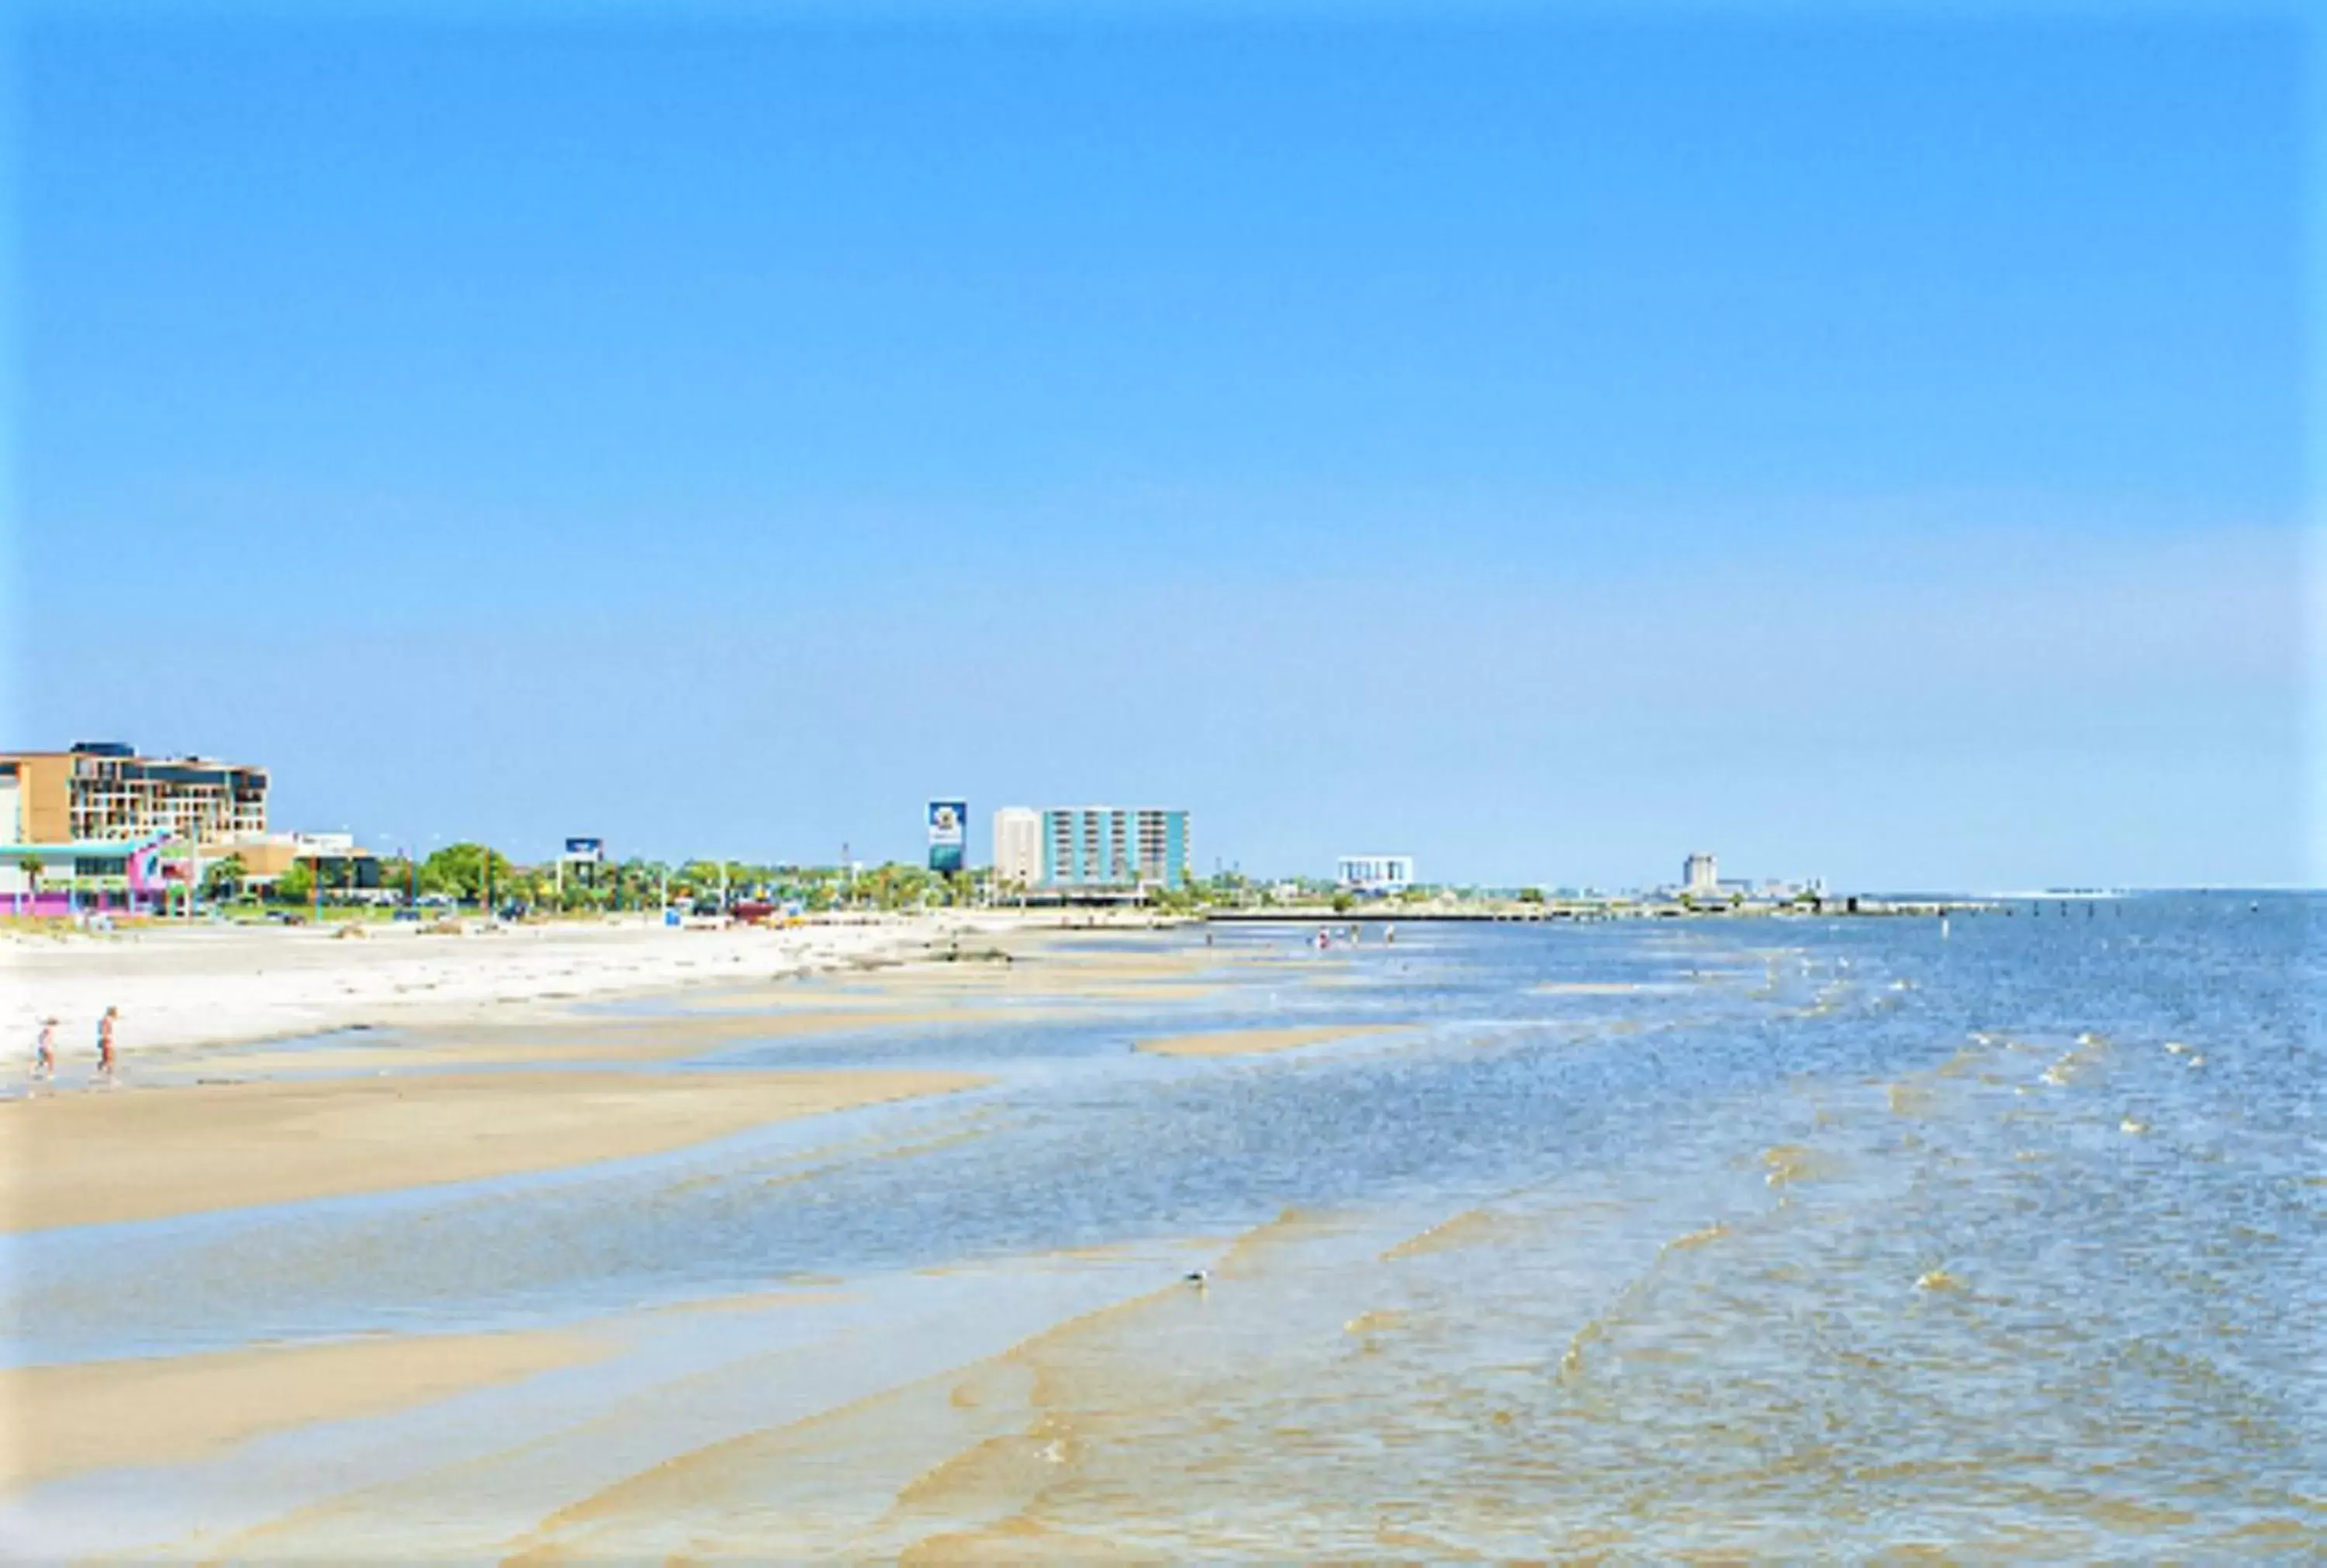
297,885
461,870
222,879
1530,895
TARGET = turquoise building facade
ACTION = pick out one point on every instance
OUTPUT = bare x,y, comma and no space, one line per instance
1115,847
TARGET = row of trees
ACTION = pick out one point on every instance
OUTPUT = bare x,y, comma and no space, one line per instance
473,872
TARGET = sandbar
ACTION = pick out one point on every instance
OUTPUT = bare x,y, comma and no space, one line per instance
625,1039
1258,1041
62,1420
94,1158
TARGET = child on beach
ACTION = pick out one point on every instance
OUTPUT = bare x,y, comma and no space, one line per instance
45,1050
105,1059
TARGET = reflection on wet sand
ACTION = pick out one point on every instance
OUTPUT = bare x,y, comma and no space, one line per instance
144,1154
72,1418
582,1041
1255,1041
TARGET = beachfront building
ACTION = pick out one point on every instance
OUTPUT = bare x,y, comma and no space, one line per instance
1114,846
1700,875
336,862
1376,875
104,791
48,869
85,876
1017,846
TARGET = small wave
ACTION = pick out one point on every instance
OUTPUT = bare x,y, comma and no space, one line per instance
1697,1238
1788,1163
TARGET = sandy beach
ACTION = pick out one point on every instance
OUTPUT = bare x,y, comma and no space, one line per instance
1079,1242
100,1158
66,1419
181,986
266,1066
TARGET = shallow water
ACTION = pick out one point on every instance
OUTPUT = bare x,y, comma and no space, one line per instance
1823,1237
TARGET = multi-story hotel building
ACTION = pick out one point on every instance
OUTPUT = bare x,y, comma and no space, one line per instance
1017,846
1114,846
105,791
1377,874
1700,873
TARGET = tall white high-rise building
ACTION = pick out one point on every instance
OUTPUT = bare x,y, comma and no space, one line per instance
1017,846
1700,875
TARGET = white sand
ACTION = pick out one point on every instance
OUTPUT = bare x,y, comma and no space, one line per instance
180,987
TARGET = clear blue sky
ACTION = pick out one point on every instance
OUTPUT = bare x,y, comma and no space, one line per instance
1541,442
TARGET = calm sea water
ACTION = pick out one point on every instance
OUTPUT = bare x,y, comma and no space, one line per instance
1785,1237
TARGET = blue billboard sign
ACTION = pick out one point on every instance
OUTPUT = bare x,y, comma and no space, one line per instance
949,835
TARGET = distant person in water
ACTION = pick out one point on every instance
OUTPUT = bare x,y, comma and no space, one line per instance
45,1050
106,1062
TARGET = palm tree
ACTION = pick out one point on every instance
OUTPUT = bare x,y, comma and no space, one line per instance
223,878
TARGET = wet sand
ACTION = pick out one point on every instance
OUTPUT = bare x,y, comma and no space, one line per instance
63,1420
1258,1041
576,1041
98,1158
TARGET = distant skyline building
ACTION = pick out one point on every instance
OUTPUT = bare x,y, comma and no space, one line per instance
105,790
1017,846
1376,873
1114,846
1700,873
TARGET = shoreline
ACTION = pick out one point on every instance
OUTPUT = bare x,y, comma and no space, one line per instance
185,990
522,1071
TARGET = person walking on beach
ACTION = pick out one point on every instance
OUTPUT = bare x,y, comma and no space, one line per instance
105,1062
44,1051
